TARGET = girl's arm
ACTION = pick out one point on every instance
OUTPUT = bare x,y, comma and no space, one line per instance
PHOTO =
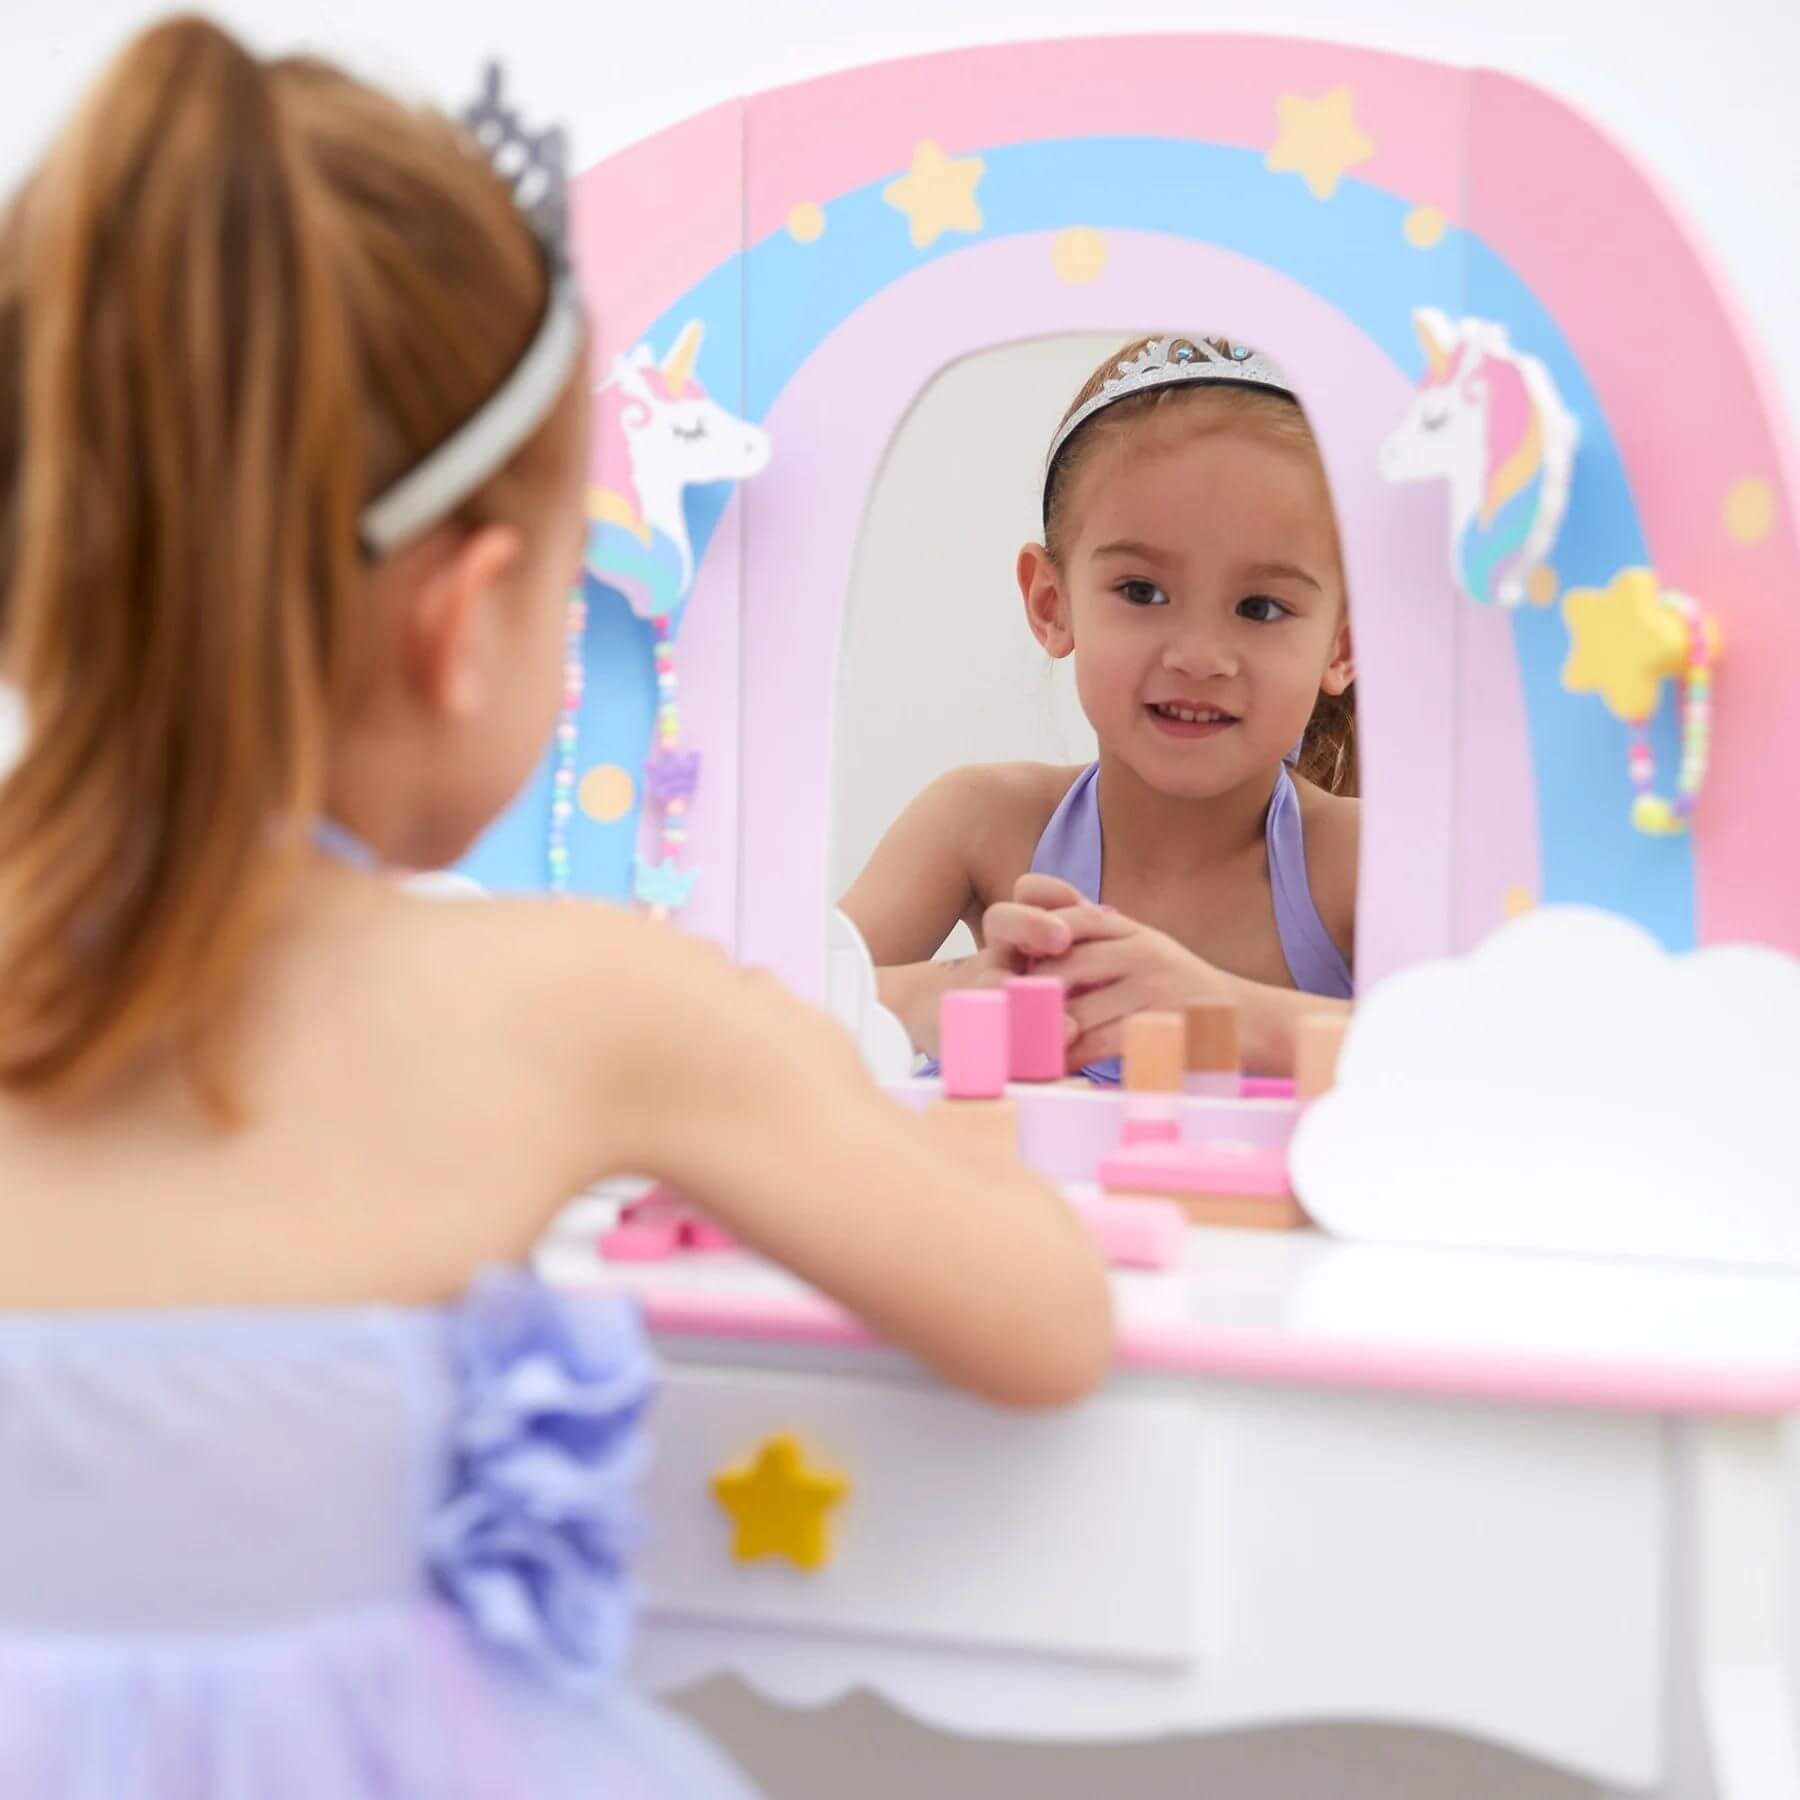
909,897
924,878
758,1108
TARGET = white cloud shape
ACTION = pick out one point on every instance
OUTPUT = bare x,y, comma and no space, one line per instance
851,995
1570,1086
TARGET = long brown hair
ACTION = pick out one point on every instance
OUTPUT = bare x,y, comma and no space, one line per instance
237,299
1328,749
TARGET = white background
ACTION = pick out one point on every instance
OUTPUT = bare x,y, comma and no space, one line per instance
1706,94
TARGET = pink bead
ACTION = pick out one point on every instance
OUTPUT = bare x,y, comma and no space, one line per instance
1035,1025
974,1043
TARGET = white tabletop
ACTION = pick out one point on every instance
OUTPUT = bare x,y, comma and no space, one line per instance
1300,1307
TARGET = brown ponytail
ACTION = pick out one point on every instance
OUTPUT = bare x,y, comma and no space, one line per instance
236,300
1328,750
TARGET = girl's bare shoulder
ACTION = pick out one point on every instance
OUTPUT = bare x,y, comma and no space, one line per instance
997,812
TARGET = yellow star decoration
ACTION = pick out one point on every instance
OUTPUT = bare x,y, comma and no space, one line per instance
937,194
778,1506
1623,642
1319,140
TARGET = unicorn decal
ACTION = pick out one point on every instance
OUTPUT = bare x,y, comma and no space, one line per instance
1488,419
658,433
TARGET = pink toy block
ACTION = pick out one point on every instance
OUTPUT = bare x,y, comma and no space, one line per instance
1266,1087
703,1234
974,1043
1219,1167
1217,1183
1135,1234
646,1241
1139,1129
660,1224
660,1205
1035,1026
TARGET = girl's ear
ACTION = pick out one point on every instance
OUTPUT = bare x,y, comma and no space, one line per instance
1341,670
1046,605
448,629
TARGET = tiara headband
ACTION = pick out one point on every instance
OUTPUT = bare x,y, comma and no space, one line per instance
1162,362
535,168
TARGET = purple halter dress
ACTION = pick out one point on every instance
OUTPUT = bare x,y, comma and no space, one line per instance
1070,849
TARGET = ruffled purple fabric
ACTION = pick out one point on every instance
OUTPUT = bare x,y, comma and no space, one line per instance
533,1539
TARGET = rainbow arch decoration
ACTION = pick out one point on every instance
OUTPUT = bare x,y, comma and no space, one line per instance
842,241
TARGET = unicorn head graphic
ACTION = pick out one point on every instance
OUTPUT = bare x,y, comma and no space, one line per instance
1487,419
659,433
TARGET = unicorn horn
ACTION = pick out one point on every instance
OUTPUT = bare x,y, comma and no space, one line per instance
678,365
1437,354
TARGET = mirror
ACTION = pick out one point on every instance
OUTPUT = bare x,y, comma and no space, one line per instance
956,497
1189,646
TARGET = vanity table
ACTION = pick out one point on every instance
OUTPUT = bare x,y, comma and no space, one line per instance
1545,1502
1541,1500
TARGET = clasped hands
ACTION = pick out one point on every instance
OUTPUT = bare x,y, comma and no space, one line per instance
1110,965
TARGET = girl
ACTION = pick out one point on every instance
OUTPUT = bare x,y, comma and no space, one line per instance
297,1502
1190,566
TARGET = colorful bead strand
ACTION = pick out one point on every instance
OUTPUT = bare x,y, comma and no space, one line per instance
1650,811
562,785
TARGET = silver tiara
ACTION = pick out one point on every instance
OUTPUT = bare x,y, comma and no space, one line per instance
1165,360
535,167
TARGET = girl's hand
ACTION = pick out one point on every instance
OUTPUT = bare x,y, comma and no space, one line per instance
1132,968
1044,919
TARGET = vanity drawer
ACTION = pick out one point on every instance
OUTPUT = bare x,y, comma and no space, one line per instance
1062,1532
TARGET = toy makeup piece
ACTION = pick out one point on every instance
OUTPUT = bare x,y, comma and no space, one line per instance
1214,1054
1220,1183
1155,1067
1267,1087
1318,1042
974,1058
974,1043
1134,1233
1035,1026
659,1226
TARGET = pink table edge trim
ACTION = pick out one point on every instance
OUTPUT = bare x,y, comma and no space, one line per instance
1227,1353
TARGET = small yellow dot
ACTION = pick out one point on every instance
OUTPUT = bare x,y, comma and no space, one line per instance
1750,510
806,223
607,792
1541,586
1424,226
1517,899
1079,255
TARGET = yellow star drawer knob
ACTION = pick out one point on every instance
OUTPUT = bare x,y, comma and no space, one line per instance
778,1505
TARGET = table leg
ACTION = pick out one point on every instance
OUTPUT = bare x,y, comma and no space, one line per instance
1741,1623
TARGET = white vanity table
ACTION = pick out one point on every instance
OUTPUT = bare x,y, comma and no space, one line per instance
1541,1502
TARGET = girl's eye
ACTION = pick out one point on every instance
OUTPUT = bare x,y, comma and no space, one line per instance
1143,593
1261,609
